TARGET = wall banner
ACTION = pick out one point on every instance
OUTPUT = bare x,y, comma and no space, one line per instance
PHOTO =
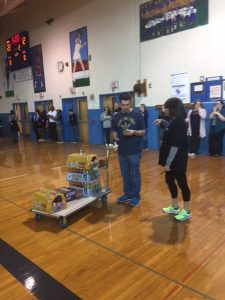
37,69
79,57
8,80
164,17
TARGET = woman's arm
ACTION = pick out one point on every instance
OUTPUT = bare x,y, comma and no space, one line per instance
220,116
171,157
202,113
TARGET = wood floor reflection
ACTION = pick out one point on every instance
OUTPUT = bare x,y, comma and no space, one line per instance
113,251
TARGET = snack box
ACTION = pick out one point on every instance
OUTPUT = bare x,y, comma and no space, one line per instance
49,201
70,193
81,161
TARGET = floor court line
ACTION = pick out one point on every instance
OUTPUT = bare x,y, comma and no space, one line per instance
14,177
200,265
149,269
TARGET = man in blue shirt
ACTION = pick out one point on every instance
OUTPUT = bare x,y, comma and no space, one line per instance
128,129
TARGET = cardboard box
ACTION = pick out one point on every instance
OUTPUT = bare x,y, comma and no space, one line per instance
49,201
69,193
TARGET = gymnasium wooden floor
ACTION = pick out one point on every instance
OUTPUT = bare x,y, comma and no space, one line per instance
113,251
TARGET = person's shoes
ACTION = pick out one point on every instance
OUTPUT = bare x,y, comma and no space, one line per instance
59,142
134,202
123,199
74,142
191,154
183,215
171,210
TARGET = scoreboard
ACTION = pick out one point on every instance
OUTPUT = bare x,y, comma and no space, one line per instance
18,51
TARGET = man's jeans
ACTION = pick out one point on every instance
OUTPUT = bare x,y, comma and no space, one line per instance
130,171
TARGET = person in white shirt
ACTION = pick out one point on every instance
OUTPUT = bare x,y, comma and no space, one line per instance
196,126
52,115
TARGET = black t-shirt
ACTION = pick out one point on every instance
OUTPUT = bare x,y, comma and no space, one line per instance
195,123
73,119
128,145
175,136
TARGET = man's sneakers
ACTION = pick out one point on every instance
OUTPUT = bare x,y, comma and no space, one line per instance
123,199
132,201
180,214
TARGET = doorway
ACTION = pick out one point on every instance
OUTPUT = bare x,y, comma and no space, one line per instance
43,106
82,118
21,111
79,107
110,99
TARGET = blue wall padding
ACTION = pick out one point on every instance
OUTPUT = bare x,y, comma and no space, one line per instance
96,135
5,125
95,130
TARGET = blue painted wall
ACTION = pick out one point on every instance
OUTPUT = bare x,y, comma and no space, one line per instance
95,127
5,125
96,132
153,134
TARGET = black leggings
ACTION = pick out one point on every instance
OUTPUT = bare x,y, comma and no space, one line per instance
216,142
182,182
107,135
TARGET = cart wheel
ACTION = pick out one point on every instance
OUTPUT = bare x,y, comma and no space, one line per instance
38,217
63,222
104,199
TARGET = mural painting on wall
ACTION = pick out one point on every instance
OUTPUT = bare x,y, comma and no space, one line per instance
164,17
38,69
7,79
79,57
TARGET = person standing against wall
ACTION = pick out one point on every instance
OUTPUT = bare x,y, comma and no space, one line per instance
128,129
217,129
52,123
59,126
106,119
74,136
35,123
173,156
144,112
13,126
196,127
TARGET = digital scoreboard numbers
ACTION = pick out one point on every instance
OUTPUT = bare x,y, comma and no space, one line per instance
18,51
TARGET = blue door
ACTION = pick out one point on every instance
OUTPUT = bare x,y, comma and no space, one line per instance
67,104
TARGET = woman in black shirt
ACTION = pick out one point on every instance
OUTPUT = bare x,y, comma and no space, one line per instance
173,156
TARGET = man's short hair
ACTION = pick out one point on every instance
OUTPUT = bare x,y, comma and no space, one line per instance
125,97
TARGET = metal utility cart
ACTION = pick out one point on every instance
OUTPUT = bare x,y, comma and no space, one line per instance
75,205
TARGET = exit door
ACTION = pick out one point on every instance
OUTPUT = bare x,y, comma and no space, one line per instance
21,111
82,118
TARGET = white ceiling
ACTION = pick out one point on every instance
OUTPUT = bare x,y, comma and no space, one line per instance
19,15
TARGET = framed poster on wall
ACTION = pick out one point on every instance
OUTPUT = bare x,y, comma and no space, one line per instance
38,69
164,17
79,57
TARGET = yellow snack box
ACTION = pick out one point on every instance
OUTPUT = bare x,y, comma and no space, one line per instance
49,201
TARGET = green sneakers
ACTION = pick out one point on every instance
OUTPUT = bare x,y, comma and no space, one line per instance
183,215
171,210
